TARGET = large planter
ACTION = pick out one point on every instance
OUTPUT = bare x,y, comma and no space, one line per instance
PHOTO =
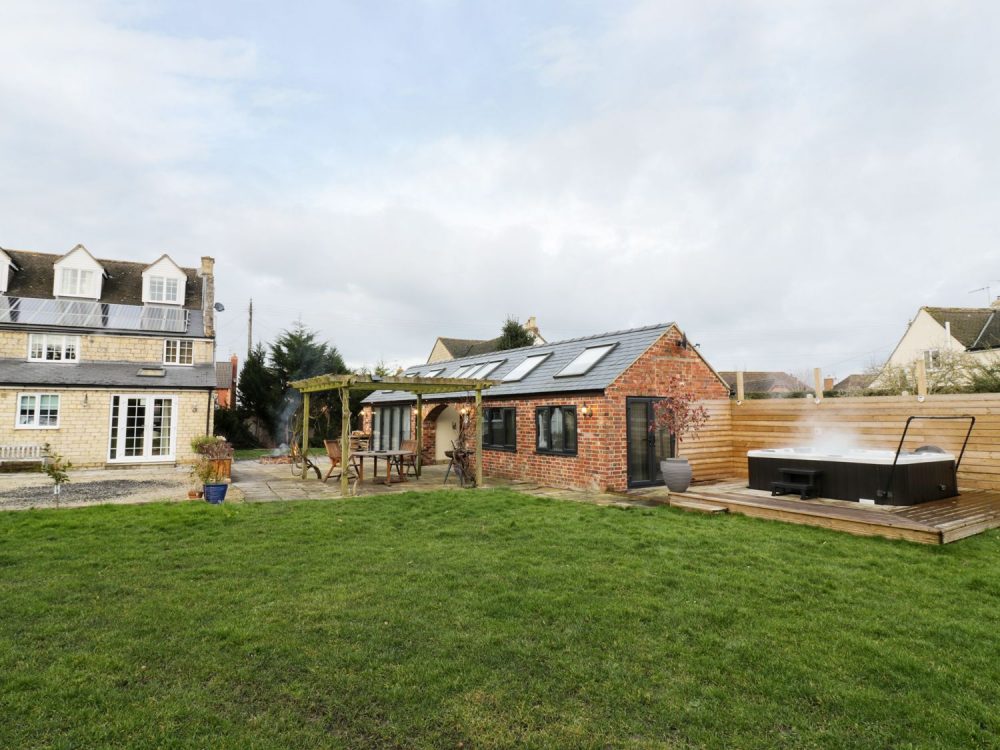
676,474
215,493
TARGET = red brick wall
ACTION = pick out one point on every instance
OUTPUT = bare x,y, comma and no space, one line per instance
600,462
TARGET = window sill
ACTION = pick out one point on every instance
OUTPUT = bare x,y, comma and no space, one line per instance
541,452
35,427
499,449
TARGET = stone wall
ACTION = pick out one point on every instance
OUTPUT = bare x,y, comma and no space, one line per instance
84,423
108,348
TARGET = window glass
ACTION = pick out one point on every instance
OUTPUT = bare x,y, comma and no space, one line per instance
178,352
556,429
499,428
586,360
76,282
53,348
162,289
525,368
38,410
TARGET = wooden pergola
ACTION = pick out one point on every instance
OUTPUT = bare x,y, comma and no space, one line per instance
418,386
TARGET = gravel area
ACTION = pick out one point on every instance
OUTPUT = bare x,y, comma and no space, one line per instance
82,492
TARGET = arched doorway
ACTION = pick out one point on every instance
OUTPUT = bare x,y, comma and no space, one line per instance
445,431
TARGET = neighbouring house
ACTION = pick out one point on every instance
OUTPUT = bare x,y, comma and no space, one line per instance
225,383
109,362
855,383
446,349
765,382
575,413
936,331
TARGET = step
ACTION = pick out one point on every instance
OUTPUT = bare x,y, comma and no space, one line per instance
697,506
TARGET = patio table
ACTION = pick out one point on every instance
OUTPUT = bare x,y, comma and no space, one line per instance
392,458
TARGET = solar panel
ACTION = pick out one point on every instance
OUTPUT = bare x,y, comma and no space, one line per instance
73,313
525,368
585,361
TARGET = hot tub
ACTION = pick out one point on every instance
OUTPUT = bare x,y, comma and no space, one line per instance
866,476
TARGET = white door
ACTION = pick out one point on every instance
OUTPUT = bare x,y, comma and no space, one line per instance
445,431
143,428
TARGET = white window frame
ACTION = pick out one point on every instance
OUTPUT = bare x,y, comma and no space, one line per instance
179,343
118,435
46,339
79,287
37,395
932,359
164,283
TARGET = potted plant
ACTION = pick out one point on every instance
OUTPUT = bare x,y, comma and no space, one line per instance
218,451
678,412
212,482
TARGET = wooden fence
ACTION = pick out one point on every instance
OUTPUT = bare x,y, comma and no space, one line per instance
711,453
875,422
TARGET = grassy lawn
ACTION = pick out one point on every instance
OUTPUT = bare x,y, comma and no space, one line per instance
252,454
486,619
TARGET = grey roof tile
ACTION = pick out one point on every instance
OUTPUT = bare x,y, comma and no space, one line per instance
17,372
630,345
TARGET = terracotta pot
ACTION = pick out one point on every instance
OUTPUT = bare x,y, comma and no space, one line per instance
676,474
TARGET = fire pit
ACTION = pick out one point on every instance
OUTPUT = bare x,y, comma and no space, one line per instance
881,477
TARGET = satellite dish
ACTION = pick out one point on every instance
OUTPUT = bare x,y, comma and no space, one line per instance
219,307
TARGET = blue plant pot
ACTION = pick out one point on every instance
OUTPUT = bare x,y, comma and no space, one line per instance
215,493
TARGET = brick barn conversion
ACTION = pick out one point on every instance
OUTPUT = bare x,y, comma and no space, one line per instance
573,413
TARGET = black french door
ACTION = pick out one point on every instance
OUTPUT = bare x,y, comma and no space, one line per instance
647,445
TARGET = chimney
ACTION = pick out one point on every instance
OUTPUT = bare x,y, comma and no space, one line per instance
532,327
996,304
207,273
827,384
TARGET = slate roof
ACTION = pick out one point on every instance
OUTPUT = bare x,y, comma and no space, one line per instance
763,381
630,345
469,347
123,285
976,328
17,372
224,375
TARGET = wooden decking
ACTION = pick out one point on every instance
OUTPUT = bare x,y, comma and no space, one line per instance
938,522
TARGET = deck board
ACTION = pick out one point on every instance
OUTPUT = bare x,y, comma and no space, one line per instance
936,522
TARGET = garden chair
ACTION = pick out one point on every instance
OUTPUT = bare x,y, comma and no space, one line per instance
333,452
409,462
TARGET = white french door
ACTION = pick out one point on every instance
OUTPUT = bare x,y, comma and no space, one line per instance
143,428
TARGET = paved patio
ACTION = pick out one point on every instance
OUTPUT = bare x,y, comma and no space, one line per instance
259,482
255,482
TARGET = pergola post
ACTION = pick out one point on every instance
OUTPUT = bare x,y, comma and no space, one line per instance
479,437
420,431
345,437
305,434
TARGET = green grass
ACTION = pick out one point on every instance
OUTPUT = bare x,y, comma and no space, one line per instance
251,454
486,619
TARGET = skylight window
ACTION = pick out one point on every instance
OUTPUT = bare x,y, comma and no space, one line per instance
484,370
525,368
434,373
585,361
461,371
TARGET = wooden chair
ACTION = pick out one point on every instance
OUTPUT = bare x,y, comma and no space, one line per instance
333,452
409,462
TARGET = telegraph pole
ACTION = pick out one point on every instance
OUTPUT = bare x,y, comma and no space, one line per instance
250,330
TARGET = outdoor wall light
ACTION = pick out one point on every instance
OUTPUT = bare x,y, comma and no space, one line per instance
464,412
586,410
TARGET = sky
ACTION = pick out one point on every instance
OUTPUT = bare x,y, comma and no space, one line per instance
788,181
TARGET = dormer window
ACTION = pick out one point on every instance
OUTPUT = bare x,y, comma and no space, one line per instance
163,289
163,283
76,282
78,274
